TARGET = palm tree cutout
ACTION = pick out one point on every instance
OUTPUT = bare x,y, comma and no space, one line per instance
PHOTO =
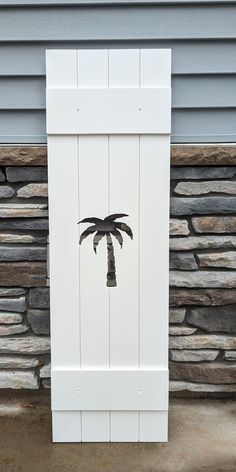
107,227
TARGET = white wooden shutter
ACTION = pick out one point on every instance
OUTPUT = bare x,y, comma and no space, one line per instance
108,125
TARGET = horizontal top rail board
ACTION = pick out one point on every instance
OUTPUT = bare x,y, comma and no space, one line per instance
108,111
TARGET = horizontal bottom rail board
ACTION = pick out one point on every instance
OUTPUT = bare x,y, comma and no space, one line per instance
109,390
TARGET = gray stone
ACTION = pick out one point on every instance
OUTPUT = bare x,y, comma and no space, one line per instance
206,279
218,259
26,174
201,154
46,383
207,372
6,191
11,292
204,341
177,315
39,321
24,224
2,176
33,190
19,362
212,297
178,227
202,242
202,173
203,206
25,345
10,317
23,253
181,330
26,210
22,238
45,371
214,224
17,379
183,261
13,304
203,188
189,355
230,355
39,297
214,319
6,330
180,386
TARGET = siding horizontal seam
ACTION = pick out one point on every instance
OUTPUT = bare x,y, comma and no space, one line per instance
45,3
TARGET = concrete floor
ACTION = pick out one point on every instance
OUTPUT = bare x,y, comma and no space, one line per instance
202,437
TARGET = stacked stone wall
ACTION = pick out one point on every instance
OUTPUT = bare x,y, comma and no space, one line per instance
202,269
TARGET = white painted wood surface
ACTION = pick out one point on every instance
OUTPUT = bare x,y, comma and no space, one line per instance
91,111
96,328
73,389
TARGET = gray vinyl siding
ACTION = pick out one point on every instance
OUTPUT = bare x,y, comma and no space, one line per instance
201,34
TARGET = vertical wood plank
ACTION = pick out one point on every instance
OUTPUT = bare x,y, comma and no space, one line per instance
123,191
64,272
66,426
155,71
93,201
61,68
154,267
155,68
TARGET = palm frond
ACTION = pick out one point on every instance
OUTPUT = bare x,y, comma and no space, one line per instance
124,227
87,232
91,219
118,236
114,216
97,238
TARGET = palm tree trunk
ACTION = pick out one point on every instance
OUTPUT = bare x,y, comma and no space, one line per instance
111,266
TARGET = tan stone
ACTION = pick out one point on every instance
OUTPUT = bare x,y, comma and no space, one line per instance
203,297
181,386
178,227
190,355
23,156
22,238
45,371
25,345
29,210
202,242
208,372
181,330
19,362
18,379
7,317
214,224
203,279
218,259
204,341
6,330
33,190
203,188
177,315
199,155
